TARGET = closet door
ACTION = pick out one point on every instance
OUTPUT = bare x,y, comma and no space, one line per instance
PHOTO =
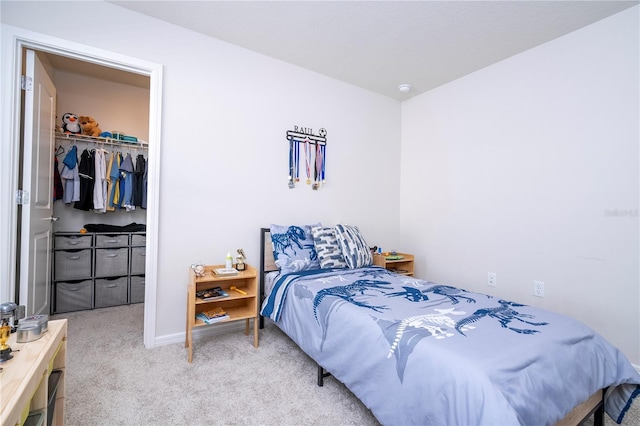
37,181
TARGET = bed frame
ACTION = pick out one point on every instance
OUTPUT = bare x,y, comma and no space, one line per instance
594,406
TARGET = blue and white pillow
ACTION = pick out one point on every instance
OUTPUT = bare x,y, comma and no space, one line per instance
293,248
354,248
327,247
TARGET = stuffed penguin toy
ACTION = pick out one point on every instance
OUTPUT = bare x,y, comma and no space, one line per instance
71,123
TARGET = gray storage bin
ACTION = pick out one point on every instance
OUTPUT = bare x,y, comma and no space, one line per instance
111,292
112,240
72,264
36,418
138,259
74,296
75,241
53,382
138,239
137,289
112,262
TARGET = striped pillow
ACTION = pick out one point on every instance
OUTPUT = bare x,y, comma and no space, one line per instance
354,248
327,247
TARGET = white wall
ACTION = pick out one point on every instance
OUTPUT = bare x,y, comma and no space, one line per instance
225,114
529,169
115,106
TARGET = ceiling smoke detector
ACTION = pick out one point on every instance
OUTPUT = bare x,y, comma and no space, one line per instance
404,88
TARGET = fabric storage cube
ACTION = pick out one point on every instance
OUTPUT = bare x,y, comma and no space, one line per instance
111,292
112,262
74,296
136,289
77,241
138,259
138,239
112,240
72,264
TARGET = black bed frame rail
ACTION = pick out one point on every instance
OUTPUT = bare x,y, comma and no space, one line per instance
598,411
321,375
263,233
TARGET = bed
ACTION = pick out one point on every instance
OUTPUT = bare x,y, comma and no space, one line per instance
417,352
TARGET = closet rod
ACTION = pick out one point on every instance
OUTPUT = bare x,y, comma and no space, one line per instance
101,141
303,137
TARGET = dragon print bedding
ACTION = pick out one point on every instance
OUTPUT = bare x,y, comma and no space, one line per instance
420,353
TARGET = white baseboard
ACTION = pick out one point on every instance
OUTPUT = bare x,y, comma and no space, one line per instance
170,339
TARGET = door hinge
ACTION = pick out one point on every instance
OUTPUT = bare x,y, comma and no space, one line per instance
26,83
22,197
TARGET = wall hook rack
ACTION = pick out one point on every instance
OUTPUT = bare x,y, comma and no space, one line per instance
314,149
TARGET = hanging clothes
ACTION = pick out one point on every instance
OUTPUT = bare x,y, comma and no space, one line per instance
144,186
107,201
138,180
100,181
58,189
71,159
86,171
70,177
126,170
114,197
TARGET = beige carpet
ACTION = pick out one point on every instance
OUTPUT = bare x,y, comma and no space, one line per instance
113,380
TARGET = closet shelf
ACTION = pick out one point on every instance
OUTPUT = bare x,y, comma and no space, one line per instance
101,141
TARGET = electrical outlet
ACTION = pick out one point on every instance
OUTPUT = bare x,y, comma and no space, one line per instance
538,288
491,279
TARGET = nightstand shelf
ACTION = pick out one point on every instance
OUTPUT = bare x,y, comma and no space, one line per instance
237,305
403,266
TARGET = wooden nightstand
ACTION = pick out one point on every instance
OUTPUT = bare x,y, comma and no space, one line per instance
403,266
239,306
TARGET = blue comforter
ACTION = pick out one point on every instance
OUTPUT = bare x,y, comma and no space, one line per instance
419,353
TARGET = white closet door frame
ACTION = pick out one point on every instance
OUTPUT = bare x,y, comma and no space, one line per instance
14,41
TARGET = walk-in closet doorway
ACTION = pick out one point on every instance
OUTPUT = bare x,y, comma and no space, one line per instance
86,62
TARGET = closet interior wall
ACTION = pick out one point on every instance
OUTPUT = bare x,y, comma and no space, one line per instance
115,106
118,102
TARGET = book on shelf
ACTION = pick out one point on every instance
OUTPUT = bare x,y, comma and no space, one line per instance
201,316
212,293
215,312
394,257
226,272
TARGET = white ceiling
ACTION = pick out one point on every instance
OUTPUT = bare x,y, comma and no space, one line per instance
378,45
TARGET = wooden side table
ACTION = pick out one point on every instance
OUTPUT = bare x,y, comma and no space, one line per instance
403,266
26,379
239,306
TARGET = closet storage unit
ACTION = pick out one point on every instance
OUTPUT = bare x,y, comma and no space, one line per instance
112,266
138,259
94,270
72,272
